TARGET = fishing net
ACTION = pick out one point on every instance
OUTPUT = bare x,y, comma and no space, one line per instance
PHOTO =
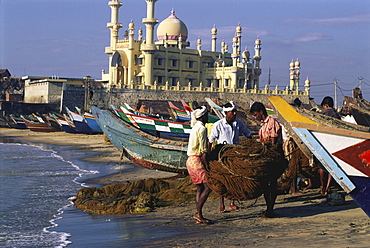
242,170
299,166
135,197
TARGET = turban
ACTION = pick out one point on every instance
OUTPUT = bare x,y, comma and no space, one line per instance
233,106
197,113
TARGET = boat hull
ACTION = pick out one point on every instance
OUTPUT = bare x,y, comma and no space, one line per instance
142,148
39,127
344,153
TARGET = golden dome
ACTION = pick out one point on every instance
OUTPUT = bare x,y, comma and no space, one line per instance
214,30
257,41
297,63
246,54
291,65
238,28
173,28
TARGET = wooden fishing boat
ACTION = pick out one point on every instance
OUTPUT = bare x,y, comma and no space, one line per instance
344,153
91,121
179,114
140,147
15,122
156,126
63,123
330,121
3,122
38,126
80,123
361,115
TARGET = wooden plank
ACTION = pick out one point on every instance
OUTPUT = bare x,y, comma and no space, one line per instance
287,112
332,130
279,107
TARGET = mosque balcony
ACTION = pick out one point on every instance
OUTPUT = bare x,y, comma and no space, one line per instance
108,50
150,21
115,3
112,25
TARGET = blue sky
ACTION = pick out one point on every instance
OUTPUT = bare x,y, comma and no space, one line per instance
331,38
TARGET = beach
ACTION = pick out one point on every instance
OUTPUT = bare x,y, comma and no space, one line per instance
303,220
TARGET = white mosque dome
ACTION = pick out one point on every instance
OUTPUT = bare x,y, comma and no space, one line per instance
173,28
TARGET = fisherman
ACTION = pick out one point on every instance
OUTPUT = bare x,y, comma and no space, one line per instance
196,163
271,132
325,177
227,131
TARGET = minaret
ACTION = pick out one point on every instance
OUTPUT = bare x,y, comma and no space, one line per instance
140,34
307,85
113,25
297,67
149,47
257,52
130,52
257,59
199,44
234,55
214,38
291,75
131,29
239,36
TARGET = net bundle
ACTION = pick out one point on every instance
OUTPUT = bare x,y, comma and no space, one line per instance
241,170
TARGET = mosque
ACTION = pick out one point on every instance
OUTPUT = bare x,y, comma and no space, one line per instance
168,64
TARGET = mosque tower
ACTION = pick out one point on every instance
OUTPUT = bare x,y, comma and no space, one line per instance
149,47
214,38
257,59
294,68
257,52
114,27
291,75
238,34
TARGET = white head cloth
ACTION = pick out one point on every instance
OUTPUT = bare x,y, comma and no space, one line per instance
197,113
233,106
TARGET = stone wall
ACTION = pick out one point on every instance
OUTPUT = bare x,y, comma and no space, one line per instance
103,98
73,97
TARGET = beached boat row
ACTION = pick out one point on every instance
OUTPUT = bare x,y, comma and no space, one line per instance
72,122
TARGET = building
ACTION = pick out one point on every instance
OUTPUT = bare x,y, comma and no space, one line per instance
167,63
56,91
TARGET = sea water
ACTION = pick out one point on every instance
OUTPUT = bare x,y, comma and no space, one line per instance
37,185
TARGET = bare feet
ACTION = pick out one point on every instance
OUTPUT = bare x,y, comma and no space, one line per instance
222,211
296,193
233,207
266,215
322,190
306,188
200,219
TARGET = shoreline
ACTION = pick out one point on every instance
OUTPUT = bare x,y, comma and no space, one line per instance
304,220
104,153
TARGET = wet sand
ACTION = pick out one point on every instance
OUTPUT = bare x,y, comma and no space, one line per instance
305,220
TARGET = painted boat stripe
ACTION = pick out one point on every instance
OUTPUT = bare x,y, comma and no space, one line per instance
325,158
288,112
